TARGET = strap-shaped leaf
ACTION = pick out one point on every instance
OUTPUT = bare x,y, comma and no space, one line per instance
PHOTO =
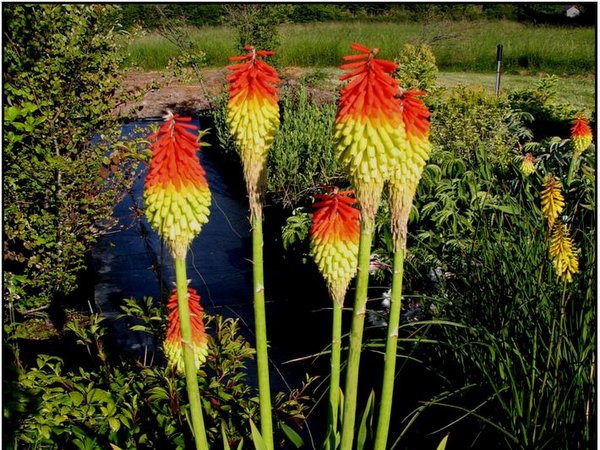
259,443
367,416
292,436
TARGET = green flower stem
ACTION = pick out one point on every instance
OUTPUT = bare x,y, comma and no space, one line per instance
389,369
260,328
334,385
188,355
356,332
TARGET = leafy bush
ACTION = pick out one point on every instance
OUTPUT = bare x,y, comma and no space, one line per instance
302,155
65,164
316,12
470,118
416,67
111,399
256,25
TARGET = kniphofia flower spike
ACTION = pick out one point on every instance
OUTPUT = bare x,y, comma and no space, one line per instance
581,135
528,164
253,114
415,153
176,193
173,344
369,131
562,253
553,201
334,237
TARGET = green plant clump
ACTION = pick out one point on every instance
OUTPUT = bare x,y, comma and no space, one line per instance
302,156
550,117
110,398
416,67
469,118
65,165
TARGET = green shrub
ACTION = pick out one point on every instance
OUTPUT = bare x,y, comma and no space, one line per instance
302,155
550,117
416,67
316,12
110,398
65,164
256,25
470,118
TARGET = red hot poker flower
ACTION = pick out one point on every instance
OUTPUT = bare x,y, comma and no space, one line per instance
581,134
369,131
407,174
176,193
334,237
253,114
173,345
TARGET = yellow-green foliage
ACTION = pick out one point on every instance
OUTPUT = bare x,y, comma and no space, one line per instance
416,67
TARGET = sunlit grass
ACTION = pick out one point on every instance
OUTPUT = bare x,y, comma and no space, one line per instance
458,46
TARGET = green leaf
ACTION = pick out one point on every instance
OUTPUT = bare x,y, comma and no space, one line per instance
98,395
292,435
76,398
259,443
157,393
114,424
362,431
224,437
443,442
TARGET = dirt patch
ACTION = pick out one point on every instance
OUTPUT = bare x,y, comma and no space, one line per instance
163,91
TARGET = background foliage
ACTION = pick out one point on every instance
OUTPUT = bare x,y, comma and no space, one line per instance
61,145
108,398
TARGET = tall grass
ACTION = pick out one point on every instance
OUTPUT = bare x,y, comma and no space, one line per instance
458,46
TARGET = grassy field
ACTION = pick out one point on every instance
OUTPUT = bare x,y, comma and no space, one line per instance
458,46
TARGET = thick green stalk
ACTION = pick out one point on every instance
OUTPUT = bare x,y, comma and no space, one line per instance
389,369
188,355
334,385
260,327
356,332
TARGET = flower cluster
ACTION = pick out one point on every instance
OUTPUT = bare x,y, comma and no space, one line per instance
369,133
173,345
581,135
176,193
528,164
253,113
553,201
334,237
562,253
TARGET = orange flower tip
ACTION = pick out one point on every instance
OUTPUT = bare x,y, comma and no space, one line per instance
361,48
